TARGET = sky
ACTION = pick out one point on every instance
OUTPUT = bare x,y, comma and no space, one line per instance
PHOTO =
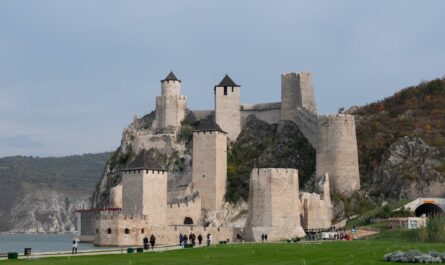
74,73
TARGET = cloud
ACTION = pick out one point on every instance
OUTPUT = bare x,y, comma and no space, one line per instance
21,141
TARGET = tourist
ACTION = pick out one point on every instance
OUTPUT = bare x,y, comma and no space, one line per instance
192,239
180,239
185,240
74,250
262,238
265,237
209,239
152,241
145,241
200,239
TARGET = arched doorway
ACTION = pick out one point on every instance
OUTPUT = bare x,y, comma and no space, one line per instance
429,209
188,221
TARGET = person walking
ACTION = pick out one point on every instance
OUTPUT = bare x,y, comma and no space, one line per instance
209,239
152,241
145,241
262,238
200,239
265,237
74,250
180,239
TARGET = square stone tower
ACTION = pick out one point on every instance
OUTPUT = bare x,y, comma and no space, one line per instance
144,193
171,105
296,92
274,204
227,107
210,166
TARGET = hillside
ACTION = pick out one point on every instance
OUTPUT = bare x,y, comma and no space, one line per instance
401,142
41,194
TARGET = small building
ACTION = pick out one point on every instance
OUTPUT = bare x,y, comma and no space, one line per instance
404,222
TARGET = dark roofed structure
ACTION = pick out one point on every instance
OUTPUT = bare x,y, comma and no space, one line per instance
171,77
227,81
147,160
207,125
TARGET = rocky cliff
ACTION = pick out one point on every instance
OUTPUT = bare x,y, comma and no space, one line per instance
42,194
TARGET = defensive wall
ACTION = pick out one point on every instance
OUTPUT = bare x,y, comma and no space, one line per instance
274,205
268,112
188,212
115,229
316,209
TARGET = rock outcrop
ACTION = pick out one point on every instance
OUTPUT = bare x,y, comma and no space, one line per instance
410,168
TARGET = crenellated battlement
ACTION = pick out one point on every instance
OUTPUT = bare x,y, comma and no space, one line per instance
261,172
209,131
144,170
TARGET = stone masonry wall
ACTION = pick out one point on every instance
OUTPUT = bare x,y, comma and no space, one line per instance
139,227
274,206
170,111
116,196
268,112
227,111
210,167
177,212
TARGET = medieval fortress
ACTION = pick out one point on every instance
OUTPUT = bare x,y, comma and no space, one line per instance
155,201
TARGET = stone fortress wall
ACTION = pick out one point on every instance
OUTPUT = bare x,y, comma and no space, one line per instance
268,112
178,212
316,209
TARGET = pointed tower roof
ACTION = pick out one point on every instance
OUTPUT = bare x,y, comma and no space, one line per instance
208,124
227,81
171,77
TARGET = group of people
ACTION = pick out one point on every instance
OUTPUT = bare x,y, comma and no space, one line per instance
184,239
263,238
152,242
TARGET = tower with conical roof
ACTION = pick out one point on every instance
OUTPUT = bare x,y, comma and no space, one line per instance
227,107
170,105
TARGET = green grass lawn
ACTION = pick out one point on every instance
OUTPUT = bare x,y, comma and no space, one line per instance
351,252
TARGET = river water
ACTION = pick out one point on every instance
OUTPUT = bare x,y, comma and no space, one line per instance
39,243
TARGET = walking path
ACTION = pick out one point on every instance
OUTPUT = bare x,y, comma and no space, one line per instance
92,252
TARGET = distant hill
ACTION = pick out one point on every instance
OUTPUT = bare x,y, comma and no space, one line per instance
41,194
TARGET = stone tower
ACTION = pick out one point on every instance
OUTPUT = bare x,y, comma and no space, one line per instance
210,165
144,193
296,92
171,105
274,204
227,107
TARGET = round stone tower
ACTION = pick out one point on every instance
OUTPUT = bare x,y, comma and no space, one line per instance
171,86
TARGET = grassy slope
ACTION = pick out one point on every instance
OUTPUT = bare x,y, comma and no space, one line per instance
351,252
